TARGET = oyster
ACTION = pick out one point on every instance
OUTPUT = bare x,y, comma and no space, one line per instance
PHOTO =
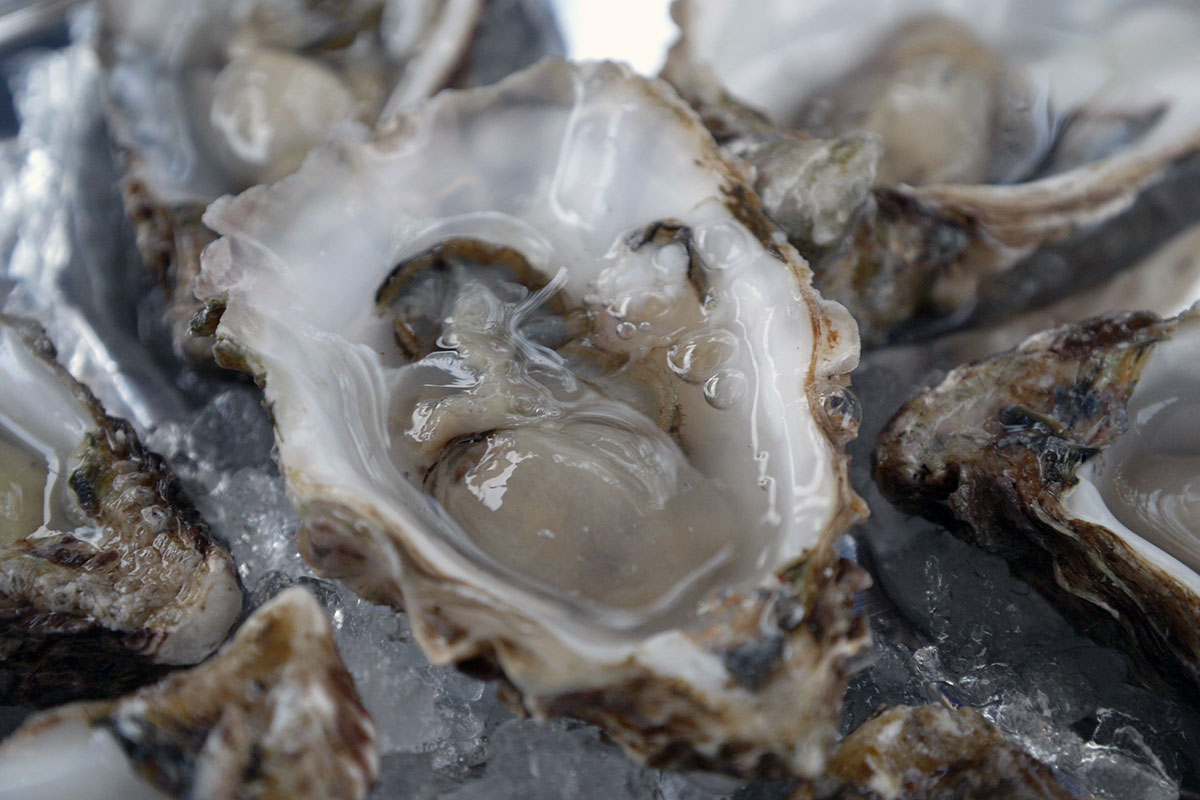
1004,145
1075,455
218,96
107,573
909,753
273,716
544,376
1166,282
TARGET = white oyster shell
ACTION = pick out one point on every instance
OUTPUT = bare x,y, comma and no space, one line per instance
638,529
107,572
273,715
209,98
1000,137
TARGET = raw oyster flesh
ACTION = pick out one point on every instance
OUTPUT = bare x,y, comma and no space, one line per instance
928,146
209,98
543,375
107,573
1077,456
908,753
273,716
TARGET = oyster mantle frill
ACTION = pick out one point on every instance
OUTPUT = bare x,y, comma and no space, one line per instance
544,376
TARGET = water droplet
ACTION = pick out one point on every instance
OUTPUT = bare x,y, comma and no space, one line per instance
546,533
725,389
696,357
626,330
842,410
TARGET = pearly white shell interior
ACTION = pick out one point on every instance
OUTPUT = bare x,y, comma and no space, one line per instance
564,164
42,423
68,761
1112,58
1145,486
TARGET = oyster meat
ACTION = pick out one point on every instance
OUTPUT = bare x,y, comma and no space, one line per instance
992,144
544,376
273,716
107,573
1075,455
215,97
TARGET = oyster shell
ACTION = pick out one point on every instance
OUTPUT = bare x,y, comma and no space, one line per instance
213,98
107,573
999,140
908,753
544,376
274,716
1074,455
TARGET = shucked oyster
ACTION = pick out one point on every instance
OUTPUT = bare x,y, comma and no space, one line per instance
273,716
1077,456
544,376
107,573
210,98
993,143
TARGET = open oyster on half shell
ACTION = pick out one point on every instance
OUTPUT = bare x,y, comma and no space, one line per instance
544,376
1076,455
107,573
915,151
210,98
274,715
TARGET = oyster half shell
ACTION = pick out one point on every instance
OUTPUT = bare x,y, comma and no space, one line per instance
107,573
214,97
273,716
1076,456
543,375
991,143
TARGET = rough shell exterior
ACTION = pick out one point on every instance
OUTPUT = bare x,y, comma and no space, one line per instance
927,752
81,621
991,450
273,716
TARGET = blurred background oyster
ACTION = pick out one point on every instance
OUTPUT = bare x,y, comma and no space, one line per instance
273,715
213,98
944,142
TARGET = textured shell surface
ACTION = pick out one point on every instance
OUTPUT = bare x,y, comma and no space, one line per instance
992,143
543,375
107,572
1075,455
273,715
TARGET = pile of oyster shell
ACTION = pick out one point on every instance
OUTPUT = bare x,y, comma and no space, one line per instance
560,367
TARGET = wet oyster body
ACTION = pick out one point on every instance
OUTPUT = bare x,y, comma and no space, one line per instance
212,99
1075,455
273,715
913,753
107,574
921,150
544,376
